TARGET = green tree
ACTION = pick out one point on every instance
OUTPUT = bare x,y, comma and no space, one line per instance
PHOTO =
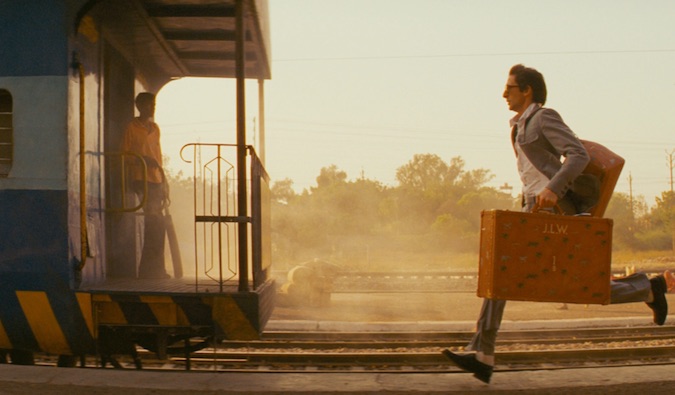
443,201
625,225
470,205
330,176
425,182
282,191
429,176
434,208
322,221
664,212
474,179
661,219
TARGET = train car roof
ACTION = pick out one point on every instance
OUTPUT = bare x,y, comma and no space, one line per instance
186,38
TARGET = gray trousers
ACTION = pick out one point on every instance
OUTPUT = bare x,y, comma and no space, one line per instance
633,288
154,233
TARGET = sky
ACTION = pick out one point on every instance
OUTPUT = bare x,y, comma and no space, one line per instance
366,84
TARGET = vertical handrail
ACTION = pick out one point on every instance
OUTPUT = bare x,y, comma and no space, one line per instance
83,178
144,173
194,210
242,209
255,217
220,225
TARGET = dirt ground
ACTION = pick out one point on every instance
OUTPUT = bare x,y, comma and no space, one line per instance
403,307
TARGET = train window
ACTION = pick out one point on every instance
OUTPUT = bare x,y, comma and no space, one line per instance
6,133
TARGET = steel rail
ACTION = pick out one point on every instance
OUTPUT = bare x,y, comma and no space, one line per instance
421,351
425,361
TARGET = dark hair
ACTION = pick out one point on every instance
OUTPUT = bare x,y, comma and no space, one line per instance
527,76
144,97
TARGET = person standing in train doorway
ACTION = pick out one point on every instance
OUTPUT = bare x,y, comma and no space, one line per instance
142,137
540,138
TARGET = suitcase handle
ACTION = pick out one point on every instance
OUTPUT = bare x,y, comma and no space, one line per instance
537,209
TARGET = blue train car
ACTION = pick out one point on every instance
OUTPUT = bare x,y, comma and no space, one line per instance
69,72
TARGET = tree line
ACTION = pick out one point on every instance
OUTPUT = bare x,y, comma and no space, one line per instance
429,218
434,209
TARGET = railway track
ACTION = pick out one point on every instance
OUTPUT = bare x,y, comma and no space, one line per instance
323,351
421,351
383,340
411,281
319,351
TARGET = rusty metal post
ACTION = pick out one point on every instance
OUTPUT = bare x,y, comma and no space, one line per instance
261,120
241,145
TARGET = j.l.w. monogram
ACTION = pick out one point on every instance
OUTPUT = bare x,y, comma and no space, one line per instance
555,229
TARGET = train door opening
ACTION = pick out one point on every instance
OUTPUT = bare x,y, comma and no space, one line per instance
118,99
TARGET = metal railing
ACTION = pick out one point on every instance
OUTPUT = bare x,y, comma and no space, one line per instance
121,177
217,219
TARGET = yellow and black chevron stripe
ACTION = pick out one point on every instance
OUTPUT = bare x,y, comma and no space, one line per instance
41,313
40,320
230,317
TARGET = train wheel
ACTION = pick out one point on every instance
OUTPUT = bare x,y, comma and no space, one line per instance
116,341
174,344
21,357
66,361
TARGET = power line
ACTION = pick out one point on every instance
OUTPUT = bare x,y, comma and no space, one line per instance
477,55
349,129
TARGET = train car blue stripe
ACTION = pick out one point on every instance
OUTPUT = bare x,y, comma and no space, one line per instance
34,37
34,232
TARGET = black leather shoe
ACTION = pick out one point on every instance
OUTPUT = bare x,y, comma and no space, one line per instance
480,370
660,305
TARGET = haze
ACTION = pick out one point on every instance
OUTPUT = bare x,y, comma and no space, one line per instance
366,84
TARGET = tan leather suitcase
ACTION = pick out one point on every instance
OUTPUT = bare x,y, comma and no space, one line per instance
545,257
607,166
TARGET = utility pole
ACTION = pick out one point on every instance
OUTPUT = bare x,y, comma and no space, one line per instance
506,187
